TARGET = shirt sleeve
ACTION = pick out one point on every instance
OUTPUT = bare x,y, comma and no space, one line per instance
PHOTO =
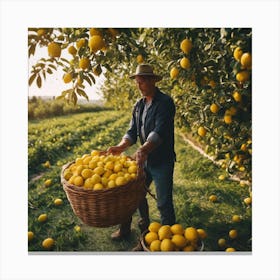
131,133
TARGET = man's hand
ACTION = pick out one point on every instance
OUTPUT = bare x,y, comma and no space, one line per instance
115,150
142,153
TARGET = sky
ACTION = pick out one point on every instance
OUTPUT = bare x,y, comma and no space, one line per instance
54,85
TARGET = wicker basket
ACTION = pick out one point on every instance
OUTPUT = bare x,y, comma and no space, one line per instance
108,207
145,248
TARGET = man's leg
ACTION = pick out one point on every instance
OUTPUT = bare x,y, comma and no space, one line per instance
123,232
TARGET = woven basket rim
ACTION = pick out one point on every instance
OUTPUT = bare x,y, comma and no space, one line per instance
66,184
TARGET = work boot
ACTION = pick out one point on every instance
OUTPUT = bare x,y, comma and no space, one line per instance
143,224
123,232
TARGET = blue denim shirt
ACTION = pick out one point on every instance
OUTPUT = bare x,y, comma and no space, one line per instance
158,127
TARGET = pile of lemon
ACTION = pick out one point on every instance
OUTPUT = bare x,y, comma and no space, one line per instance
166,238
98,171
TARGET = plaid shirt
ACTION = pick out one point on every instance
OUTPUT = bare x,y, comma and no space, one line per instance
156,125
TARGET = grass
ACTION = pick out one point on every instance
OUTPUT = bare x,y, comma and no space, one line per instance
195,179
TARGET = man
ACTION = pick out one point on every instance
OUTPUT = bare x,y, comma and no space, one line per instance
153,122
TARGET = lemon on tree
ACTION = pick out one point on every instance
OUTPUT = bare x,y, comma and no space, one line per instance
201,131
96,43
246,60
54,49
174,72
237,96
139,58
214,108
185,63
186,46
80,43
84,63
72,50
242,76
233,233
67,78
237,53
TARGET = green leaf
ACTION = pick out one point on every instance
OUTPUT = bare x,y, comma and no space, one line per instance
39,81
49,70
82,93
31,79
88,80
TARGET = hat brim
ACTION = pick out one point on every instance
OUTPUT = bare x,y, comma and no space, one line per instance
158,78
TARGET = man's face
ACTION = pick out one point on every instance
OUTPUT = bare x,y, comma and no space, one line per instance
145,84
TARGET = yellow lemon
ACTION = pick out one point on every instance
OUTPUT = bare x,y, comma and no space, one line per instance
164,232
228,119
67,174
202,233
185,63
230,249
80,43
84,63
120,181
78,181
155,246
99,170
48,182
201,131
96,43
86,173
191,234
30,235
236,218
67,78
150,237
214,108
132,169
222,242
98,186
186,46
94,31
77,228
42,218
154,227
54,49
167,245
58,201
41,32
174,72
237,96
72,50
248,200
179,240
237,53
139,58
213,198
177,229
111,184
233,233
48,243
242,76
246,60
88,184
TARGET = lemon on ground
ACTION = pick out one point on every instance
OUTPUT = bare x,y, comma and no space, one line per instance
179,240
174,72
54,49
248,200
246,60
154,226
177,229
236,218
202,233
167,245
233,233
84,63
230,249
77,228
42,218
186,46
58,201
222,242
237,53
30,235
191,234
48,182
150,237
48,243
155,246
201,131
185,63
67,78
214,108
47,164
213,198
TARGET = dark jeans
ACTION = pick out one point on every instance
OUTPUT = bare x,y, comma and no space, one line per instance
162,175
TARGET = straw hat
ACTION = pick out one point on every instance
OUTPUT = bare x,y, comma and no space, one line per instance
145,70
